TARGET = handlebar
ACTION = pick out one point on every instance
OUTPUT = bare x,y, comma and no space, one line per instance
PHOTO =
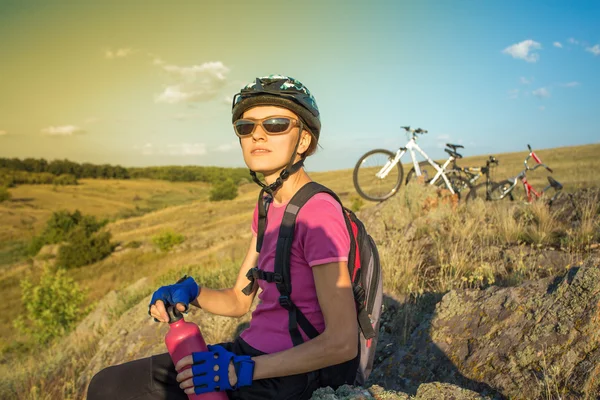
418,130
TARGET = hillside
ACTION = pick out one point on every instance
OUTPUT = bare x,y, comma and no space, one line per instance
440,251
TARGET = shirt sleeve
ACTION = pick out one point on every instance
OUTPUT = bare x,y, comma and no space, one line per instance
322,230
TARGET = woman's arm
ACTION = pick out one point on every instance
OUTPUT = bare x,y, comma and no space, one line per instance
337,344
231,302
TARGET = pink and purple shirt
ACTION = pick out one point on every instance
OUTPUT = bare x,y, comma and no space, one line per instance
320,237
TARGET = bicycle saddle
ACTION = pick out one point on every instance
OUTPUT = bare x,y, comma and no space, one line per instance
455,146
453,153
554,183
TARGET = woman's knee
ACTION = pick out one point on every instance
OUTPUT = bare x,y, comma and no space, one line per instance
103,384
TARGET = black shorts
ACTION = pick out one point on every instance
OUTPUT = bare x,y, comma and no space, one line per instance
153,378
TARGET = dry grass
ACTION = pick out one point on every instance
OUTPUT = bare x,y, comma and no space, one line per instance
424,250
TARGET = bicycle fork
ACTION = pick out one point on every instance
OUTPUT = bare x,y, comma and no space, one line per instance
391,163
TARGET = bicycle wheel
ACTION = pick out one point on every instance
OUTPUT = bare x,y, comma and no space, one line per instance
366,181
427,173
479,191
461,186
500,189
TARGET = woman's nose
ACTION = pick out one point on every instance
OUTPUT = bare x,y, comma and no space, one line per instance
259,133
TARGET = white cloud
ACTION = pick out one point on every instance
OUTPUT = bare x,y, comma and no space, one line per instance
117,53
524,50
442,140
228,147
557,44
541,92
3,133
513,93
570,84
525,81
147,149
64,130
573,41
595,50
228,100
192,84
542,108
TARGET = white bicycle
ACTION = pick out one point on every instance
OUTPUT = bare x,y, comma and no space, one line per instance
378,174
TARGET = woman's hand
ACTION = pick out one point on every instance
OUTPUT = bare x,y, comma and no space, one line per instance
203,372
180,294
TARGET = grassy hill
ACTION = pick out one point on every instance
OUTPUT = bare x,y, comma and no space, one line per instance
216,233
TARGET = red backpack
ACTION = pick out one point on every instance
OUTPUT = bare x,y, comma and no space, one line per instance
363,265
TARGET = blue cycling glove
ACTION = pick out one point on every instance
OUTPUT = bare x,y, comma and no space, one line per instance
215,363
184,291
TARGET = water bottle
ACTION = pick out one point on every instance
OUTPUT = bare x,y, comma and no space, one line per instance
183,339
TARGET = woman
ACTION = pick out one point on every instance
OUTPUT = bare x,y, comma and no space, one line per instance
278,125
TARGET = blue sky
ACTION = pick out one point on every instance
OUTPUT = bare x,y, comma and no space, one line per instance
148,83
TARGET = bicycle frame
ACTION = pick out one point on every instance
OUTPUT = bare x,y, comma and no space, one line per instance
411,147
522,176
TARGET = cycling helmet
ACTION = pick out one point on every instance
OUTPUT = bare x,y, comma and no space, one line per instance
286,92
283,91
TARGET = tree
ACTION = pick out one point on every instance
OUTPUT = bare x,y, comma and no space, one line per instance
52,307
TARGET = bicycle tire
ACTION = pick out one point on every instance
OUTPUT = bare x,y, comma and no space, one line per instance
479,191
499,188
458,183
461,186
427,172
365,181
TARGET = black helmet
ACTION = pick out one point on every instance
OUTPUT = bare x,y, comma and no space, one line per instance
283,91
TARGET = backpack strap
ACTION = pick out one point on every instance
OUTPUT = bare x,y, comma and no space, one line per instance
282,261
263,208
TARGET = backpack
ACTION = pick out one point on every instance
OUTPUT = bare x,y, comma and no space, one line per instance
363,265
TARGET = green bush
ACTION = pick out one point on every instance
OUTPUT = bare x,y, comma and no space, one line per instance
60,226
51,308
84,249
66,179
357,203
4,194
166,240
225,190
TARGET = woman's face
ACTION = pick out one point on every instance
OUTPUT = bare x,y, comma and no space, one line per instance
268,154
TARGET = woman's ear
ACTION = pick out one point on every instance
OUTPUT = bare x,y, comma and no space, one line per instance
305,141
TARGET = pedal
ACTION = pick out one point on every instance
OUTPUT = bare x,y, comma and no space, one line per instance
554,183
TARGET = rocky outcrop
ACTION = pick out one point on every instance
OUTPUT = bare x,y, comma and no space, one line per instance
427,391
538,339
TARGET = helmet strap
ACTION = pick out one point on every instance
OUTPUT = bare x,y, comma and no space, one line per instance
289,169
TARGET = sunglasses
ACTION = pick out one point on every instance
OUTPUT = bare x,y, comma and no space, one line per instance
275,125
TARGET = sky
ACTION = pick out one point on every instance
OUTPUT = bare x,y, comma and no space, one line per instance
141,83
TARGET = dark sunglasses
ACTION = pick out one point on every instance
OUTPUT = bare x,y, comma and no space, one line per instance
275,125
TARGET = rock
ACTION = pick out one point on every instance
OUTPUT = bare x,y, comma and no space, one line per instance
514,342
427,391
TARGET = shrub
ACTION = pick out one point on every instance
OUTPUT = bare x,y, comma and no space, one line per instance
84,249
4,194
166,240
60,226
52,307
225,190
357,203
66,179
134,244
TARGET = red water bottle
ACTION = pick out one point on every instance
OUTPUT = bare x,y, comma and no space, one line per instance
183,339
